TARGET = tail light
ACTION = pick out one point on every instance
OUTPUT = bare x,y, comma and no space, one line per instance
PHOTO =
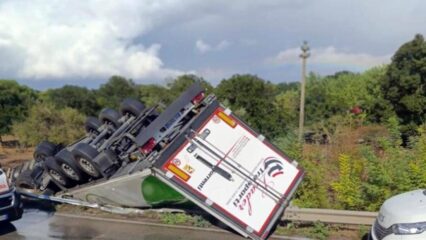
227,119
197,99
148,147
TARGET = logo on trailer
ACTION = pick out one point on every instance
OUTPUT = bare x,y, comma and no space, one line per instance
188,169
176,162
273,167
216,119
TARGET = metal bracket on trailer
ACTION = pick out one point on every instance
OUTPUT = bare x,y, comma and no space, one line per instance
106,208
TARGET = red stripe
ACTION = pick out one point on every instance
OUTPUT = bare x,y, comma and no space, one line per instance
277,173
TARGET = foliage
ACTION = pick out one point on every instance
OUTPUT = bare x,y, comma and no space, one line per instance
374,191
348,187
320,231
313,191
15,101
181,83
153,94
287,105
115,90
404,84
199,221
291,86
256,97
183,218
418,165
45,122
175,218
80,98
335,95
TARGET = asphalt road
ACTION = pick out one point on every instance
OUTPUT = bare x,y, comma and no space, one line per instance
36,224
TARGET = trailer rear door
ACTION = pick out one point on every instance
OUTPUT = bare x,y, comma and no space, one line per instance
232,172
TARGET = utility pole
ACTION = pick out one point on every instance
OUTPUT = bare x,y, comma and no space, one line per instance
304,55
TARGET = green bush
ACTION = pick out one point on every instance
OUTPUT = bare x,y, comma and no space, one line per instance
45,122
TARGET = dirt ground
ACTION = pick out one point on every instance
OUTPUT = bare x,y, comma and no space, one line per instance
11,154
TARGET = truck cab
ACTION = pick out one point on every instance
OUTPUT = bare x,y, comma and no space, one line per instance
10,201
402,217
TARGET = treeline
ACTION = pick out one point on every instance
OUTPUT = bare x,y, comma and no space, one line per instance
365,130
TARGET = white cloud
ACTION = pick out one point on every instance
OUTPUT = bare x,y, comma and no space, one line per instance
331,56
204,47
72,39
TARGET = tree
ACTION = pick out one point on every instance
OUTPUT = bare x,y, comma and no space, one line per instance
181,83
287,104
153,94
115,90
80,98
46,122
288,86
404,84
14,103
256,97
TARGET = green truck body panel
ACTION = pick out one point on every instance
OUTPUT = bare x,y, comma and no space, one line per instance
155,192
139,190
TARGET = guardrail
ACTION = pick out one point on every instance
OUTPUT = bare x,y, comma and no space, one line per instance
329,216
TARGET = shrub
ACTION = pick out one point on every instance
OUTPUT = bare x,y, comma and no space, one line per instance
45,122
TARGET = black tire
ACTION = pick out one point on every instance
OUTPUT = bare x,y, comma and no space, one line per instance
69,167
109,115
56,174
92,125
43,150
84,155
25,180
131,106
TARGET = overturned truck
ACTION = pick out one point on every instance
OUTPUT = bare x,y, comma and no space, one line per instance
196,150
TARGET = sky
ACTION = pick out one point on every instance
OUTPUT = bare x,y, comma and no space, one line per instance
47,44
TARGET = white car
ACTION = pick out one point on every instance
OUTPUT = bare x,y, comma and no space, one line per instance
402,217
10,201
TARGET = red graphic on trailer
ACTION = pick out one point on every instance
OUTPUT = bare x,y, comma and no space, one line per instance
273,167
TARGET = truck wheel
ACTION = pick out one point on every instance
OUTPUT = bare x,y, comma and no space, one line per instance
55,172
109,115
68,165
84,155
131,106
107,162
25,181
92,125
43,150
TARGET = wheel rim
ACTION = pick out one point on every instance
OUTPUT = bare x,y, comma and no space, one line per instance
69,172
58,177
88,167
